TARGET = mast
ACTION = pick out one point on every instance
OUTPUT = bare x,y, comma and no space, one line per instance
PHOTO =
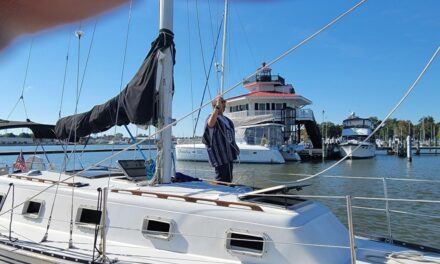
165,77
166,15
225,28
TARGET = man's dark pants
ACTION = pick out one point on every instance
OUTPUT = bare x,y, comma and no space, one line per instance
224,172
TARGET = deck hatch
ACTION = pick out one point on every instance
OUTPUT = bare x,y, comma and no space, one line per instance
32,208
88,216
246,243
157,227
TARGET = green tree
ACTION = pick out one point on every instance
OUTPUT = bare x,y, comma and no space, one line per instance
402,127
25,135
426,127
437,130
330,130
388,128
376,122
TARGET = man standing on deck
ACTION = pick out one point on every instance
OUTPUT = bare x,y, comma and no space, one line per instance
219,139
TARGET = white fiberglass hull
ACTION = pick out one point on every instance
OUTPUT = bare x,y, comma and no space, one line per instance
365,151
248,153
201,217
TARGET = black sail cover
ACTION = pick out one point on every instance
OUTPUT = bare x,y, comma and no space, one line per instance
136,104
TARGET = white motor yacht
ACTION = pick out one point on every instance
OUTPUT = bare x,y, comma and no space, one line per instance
355,131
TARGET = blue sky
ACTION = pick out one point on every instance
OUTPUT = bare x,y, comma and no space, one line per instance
364,63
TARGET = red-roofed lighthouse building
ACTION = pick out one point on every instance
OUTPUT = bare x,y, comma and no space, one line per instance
271,101
267,121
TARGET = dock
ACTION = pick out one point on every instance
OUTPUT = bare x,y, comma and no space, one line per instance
331,152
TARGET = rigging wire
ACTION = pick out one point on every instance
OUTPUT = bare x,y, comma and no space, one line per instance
79,90
124,57
201,47
87,59
245,36
79,86
97,225
78,34
21,98
65,156
12,213
211,20
189,64
190,76
207,79
65,75
82,81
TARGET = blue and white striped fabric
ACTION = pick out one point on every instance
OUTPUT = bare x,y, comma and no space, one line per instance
220,144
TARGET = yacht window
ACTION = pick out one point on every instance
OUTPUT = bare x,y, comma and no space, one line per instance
246,243
157,228
261,106
88,216
278,107
256,106
267,106
32,208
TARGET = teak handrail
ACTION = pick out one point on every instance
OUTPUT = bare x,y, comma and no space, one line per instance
76,184
190,199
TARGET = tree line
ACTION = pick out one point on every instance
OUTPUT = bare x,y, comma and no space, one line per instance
21,135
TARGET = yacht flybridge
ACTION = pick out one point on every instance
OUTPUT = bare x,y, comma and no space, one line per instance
267,122
127,216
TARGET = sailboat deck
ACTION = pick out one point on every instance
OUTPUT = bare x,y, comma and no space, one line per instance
206,192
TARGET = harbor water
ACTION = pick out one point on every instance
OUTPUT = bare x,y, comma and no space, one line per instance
412,221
